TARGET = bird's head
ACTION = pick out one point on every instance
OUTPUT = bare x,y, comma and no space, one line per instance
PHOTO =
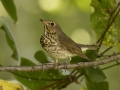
50,27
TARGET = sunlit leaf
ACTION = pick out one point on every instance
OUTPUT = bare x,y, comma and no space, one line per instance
83,88
7,85
101,17
10,38
10,8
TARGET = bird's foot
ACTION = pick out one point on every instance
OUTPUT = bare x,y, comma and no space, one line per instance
65,64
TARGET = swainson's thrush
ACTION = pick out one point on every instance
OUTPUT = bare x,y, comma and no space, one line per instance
58,44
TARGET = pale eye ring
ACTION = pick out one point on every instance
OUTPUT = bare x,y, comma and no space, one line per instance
52,24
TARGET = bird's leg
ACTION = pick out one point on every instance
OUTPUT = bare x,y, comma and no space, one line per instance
55,63
67,62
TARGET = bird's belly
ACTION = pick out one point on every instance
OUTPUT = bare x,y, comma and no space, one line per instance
58,52
53,47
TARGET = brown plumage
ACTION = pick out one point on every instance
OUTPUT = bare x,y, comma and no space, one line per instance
70,45
58,44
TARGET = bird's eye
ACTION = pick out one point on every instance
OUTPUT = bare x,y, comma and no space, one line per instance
52,24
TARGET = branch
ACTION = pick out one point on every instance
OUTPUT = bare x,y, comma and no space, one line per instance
48,66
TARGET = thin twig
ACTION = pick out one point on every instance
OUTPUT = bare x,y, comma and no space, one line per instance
110,66
101,54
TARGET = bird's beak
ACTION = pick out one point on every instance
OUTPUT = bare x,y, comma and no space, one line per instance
41,20
44,22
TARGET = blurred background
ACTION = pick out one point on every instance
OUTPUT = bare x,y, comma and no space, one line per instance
72,15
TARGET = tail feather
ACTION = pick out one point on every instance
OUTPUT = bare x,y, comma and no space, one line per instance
88,47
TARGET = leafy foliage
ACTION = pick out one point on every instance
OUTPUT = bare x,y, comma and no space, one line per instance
94,74
30,79
9,38
10,8
35,80
41,57
101,18
97,86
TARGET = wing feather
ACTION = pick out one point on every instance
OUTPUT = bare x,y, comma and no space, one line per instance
70,45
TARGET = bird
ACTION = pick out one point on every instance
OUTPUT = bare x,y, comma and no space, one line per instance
59,45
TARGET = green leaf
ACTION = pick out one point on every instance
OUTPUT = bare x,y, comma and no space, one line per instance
41,57
37,79
10,8
97,86
29,79
10,38
77,59
94,74
91,54
26,62
102,17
